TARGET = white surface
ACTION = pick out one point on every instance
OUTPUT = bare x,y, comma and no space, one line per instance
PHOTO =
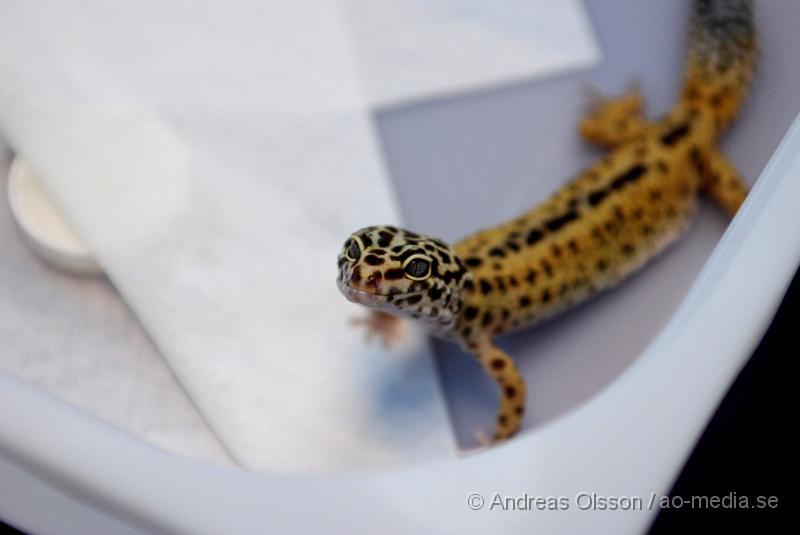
206,155
408,48
628,441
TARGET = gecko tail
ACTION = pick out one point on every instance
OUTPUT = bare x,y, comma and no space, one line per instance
722,57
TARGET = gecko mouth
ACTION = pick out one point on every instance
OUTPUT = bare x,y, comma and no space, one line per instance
363,297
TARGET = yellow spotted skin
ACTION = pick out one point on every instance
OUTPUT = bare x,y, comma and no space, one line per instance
589,235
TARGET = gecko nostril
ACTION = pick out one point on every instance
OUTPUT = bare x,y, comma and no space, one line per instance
374,279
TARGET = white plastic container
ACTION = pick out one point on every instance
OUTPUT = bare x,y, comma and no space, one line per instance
65,471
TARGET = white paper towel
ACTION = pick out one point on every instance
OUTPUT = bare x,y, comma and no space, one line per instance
214,156
413,48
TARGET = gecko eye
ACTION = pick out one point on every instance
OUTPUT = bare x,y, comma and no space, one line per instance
417,267
353,250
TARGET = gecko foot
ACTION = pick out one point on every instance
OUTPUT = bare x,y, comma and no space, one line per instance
386,326
483,440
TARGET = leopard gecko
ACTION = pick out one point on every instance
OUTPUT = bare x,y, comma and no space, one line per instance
589,235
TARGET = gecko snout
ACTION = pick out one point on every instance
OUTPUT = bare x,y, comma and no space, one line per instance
374,281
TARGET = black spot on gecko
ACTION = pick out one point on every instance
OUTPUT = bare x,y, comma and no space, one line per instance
469,286
497,251
631,175
547,267
534,236
597,197
675,135
514,246
558,222
373,260
511,392
498,364
546,296
573,246
393,274
500,284
414,299
524,301
384,238
486,287
531,276
356,275
452,275
487,319
435,293
470,312
473,261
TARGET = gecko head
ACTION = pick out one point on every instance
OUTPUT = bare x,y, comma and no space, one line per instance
402,272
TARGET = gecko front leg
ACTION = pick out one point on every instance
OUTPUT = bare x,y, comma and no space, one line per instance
502,369
385,326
